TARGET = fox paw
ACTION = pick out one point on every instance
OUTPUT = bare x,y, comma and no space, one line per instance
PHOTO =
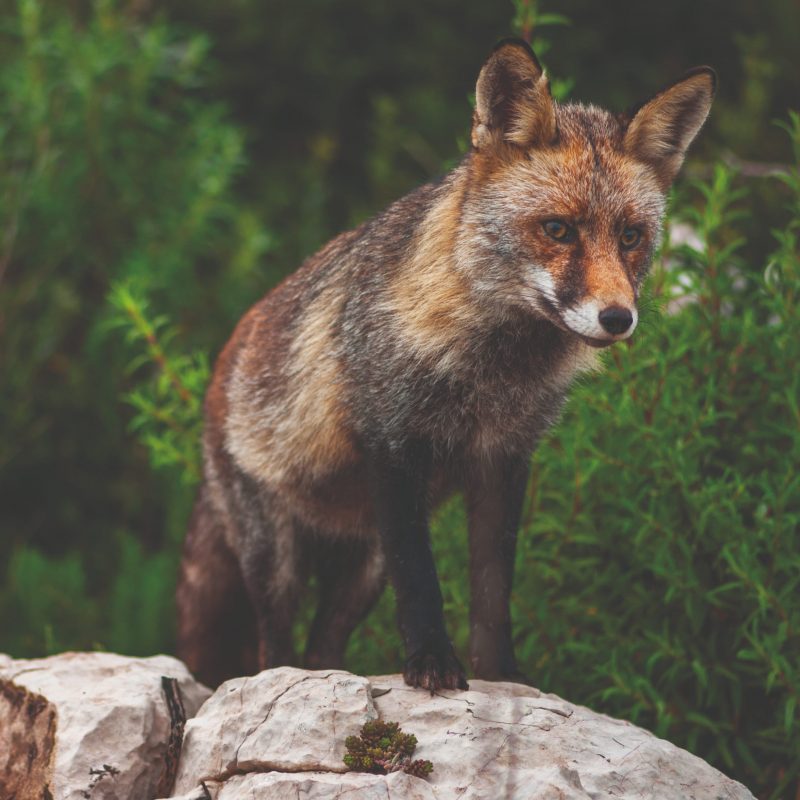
435,667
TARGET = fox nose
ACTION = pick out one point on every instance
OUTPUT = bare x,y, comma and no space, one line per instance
616,319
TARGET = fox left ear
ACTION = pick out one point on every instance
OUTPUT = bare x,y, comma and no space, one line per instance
513,105
661,130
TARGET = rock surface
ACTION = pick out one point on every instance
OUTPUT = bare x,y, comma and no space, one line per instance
286,720
280,734
318,786
88,725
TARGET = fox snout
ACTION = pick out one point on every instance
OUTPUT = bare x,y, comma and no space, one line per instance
600,323
597,302
602,313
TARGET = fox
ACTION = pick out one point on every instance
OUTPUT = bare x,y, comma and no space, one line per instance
424,353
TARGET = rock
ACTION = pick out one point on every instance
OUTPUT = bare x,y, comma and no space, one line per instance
105,727
89,725
284,719
512,741
27,740
281,734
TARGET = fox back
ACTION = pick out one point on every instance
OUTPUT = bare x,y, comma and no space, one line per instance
425,352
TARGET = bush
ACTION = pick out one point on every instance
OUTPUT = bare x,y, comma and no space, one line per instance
111,169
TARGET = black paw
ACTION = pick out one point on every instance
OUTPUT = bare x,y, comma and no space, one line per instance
435,667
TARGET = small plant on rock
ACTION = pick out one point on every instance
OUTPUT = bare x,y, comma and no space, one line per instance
383,748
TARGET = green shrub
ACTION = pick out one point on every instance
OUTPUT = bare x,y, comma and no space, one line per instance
112,168
47,600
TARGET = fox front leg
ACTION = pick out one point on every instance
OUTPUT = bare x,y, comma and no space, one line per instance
399,487
494,494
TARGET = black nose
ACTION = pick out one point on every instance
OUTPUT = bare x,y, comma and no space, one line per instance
616,319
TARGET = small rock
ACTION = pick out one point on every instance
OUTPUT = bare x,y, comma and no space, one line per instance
93,725
27,741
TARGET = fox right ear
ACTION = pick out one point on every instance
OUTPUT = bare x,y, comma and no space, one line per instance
512,100
660,131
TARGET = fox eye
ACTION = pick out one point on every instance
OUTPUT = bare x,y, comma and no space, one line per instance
630,238
558,230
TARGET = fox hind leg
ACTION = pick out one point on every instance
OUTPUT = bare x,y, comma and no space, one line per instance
216,627
273,563
350,579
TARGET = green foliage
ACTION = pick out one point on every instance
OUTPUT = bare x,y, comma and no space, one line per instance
53,608
139,616
112,170
383,748
109,169
169,408
46,598
527,24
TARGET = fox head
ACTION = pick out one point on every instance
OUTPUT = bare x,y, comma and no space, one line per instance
563,209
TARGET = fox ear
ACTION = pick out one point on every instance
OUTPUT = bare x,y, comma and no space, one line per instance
661,130
512,100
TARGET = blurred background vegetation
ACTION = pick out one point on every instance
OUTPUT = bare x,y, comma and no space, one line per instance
162,167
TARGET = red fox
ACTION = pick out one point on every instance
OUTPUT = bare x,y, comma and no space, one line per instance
423,353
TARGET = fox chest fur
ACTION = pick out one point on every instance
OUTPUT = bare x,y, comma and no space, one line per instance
426,351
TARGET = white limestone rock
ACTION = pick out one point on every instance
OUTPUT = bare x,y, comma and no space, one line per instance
281,734
512,741
283,719
90,725
96,725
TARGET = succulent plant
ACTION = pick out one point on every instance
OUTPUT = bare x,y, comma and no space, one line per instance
383,748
